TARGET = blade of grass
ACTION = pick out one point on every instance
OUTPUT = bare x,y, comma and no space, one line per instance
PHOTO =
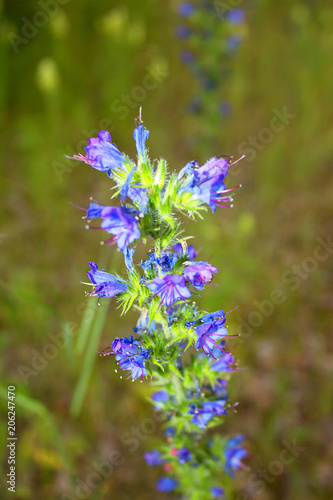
88,361
85,327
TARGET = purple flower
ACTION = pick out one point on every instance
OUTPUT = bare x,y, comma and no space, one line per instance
217,492
220,388
187,57
234,454
190,251
236,16
207,183
199,273
130,355
207,411
167,260
184,455
144,324
94,211
154,457
170,288
183,32
208,336
201,418
105,284
225,363
135,365
125,347
233,42
186,9
127,184
216,407
211,317
102,154
139,196
118,221
128,256
169,432
160,396
140,135
166,484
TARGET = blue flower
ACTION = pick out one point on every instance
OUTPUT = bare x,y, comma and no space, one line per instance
125,347
139,196
160,396
154,457
94,211
190,251
207,319
130,355
140,135
135,365
225,363
118,221
128,255
170,288
220,388
206,183
169,432
208,336
164,263
211,317
144,324
216,407
187,57
201,418
217,492
166,484
234,454
105,284
127,184
184,455
183,32
199,273
236,16
207,411
233,42
188,169
186,9
102,154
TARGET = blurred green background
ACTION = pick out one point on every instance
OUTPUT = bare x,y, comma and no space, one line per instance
60,84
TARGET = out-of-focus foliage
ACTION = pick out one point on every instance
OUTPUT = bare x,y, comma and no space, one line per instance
87,69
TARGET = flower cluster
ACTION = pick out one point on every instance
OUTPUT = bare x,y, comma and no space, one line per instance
130,355
191,389
211,33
